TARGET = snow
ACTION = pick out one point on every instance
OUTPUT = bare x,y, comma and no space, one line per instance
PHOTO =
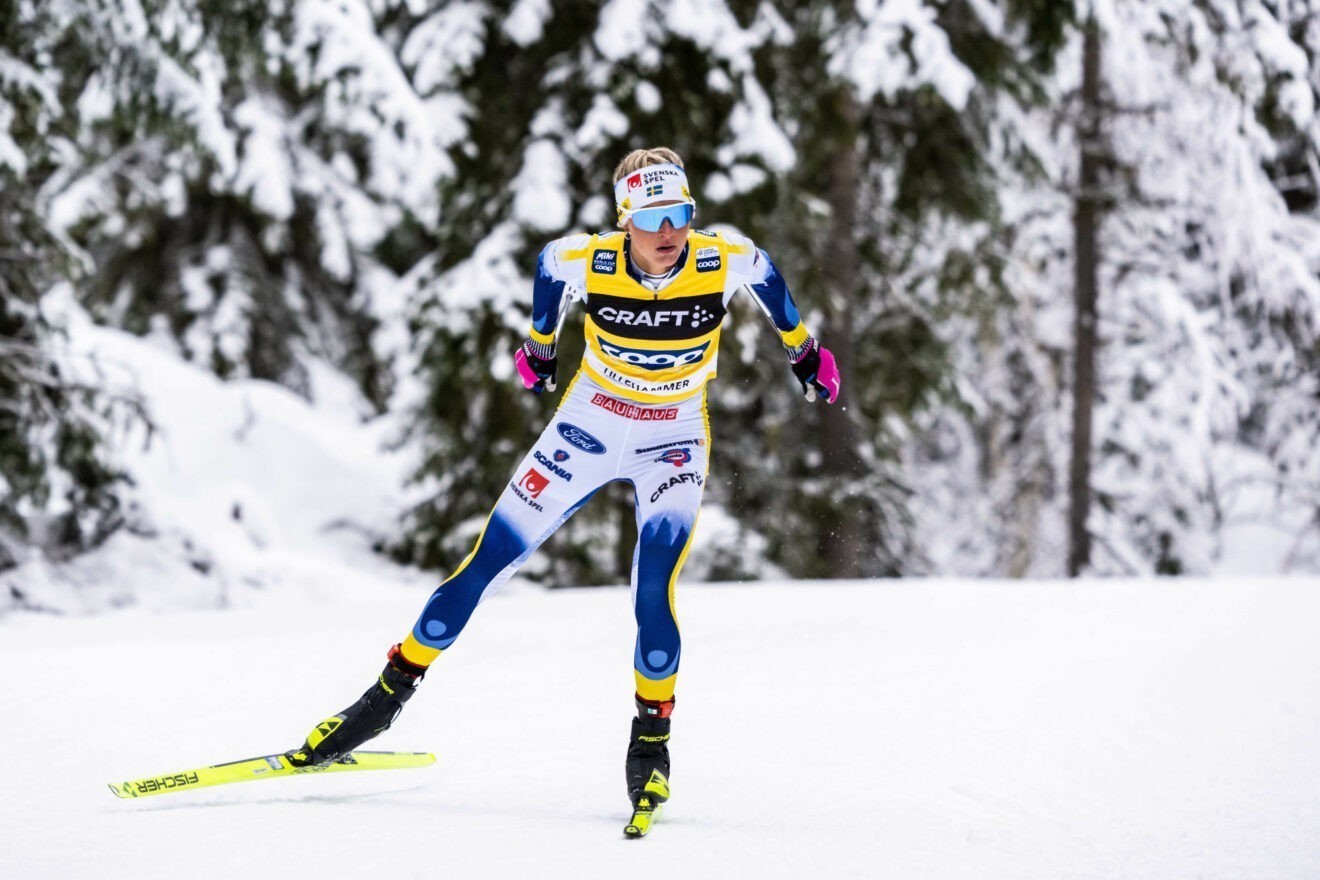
1145,728
952,729
240,480
540,191
897,46
525,23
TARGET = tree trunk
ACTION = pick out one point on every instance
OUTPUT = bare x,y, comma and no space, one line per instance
842,539
1086,261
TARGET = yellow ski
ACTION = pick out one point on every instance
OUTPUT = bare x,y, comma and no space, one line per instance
646,813
264,767
646,805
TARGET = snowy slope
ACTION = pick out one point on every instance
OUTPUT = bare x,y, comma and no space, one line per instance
913,729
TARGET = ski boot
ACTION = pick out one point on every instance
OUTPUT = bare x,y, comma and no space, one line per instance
647,764
373,713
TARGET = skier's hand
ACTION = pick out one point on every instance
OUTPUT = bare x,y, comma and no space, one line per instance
818,373
537,373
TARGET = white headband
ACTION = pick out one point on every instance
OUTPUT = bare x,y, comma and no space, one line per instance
648,186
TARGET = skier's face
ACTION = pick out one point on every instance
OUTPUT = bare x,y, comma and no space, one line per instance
657,252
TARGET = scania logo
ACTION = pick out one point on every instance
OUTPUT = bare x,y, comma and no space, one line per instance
581,439
552,467
655,360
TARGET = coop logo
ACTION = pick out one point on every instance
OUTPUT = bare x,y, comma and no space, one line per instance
708,259
580,439
676,457
552,467
605,262
655,360
676,480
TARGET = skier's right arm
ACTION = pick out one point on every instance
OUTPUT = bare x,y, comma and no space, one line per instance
556,285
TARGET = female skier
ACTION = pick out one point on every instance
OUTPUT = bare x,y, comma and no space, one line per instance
656,294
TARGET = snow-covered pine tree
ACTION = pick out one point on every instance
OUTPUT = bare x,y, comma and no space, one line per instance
58,494
1210,367
938,88
217,190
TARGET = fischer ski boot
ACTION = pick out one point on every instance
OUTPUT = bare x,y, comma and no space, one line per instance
647,765
373,713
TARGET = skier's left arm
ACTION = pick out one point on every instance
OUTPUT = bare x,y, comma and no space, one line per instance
812,363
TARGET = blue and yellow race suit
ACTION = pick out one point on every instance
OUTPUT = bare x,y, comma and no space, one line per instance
635,411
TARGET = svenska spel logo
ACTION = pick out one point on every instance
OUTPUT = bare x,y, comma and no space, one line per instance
635,181
533,482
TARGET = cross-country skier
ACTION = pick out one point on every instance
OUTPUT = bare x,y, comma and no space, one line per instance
656,294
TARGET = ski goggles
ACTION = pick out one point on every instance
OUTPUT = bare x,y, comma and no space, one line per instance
651,219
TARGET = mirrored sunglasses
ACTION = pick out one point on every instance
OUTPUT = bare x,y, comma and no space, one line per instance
651,219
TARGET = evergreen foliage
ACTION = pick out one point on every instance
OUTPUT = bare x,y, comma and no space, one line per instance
57,490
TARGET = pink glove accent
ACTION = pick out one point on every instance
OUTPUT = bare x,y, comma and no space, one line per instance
828,374
529,378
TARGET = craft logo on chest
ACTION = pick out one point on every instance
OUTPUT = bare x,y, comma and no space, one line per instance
686,317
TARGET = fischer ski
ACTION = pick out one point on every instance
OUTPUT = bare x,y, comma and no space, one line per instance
647,804
264,767
646,812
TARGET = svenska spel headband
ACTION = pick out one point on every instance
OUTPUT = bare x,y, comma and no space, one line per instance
649,186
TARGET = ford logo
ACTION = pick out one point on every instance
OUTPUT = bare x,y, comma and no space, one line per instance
580,438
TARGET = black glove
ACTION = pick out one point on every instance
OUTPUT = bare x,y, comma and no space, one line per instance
817,372
537,373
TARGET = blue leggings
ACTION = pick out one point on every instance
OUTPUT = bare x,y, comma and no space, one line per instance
662,449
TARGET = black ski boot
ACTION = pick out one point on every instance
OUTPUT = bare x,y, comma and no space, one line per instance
373,713
647,765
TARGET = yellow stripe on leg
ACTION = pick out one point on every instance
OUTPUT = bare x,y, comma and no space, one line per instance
416,653
657,691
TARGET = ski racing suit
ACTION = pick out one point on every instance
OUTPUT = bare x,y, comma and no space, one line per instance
635,411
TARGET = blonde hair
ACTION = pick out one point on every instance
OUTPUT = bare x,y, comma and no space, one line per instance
639,159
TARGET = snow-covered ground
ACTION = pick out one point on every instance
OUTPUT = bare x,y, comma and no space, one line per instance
918,729
942,729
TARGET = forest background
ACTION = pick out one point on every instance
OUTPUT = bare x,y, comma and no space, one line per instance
345,198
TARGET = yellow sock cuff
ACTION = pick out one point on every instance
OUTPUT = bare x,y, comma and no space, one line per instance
416,653
657,691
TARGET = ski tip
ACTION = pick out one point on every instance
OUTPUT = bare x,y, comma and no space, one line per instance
632,832
120,791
